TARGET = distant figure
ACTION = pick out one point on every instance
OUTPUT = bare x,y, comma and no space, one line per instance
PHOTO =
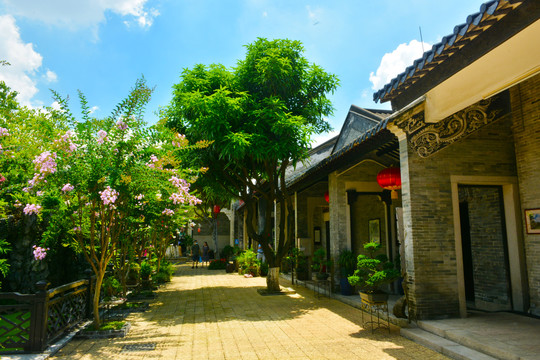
260,254
195,253
205,257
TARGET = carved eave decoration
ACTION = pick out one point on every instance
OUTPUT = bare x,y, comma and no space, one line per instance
428,139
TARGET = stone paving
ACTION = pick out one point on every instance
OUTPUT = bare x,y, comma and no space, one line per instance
208,314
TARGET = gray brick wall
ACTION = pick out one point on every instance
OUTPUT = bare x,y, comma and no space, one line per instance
526,112
428,212
488,246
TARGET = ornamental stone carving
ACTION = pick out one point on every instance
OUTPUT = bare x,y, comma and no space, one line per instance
427,139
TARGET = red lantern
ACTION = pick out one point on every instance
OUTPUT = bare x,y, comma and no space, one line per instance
198,230
327,196
217,209
390,179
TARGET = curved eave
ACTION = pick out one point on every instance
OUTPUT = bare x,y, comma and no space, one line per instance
489,14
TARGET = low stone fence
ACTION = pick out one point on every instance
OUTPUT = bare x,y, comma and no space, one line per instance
30,322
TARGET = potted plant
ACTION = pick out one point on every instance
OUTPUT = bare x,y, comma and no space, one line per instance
320,264
346,262
372,272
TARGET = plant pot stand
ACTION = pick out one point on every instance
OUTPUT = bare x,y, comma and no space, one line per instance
375,307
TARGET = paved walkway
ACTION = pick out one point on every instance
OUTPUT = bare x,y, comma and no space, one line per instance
205,314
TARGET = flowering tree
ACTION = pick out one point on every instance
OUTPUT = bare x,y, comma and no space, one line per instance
24,134
102,174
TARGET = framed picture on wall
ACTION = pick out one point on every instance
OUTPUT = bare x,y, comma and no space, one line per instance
532,221
317,235
374,227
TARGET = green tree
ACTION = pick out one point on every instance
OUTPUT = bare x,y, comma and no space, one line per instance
259,117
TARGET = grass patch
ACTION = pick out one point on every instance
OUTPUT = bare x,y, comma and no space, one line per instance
106,326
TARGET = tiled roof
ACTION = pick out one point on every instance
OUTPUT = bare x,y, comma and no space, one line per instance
490,12
376,130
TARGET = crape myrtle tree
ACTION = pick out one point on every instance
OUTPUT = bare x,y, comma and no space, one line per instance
101,176
259,116
24,133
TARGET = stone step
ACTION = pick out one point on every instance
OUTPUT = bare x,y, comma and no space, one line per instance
464,338
444,346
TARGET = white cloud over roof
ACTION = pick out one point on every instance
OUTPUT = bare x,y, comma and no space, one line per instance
394,63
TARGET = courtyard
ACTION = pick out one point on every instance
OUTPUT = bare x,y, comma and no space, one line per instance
206,314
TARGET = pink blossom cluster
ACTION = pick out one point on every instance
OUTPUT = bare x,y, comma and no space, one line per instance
109,195
39,252
139,197
77,229
30,209
168,212
67,187
152,162
2,178
4,131
180,140
102,136
179,183
68,138
122,125
45,163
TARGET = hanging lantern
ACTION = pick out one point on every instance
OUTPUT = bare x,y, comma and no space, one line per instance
199,230
217,209
390,179
327,196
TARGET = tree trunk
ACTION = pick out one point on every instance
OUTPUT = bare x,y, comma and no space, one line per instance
95,303
272,280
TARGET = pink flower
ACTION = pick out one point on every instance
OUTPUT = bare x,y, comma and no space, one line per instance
168,212
30,209
45,163
67,187
39,252
102,136
109,195
77,229
121,125
2,178
4,131
139,197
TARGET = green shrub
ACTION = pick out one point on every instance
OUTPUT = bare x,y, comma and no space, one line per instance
264,269
146,270
111,287
220,264
373,271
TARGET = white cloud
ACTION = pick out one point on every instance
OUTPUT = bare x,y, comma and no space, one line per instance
81,13
51,76
24,60
56,105
94,109
394,63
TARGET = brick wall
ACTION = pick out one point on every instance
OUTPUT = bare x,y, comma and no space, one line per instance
526,112
488,247
428,212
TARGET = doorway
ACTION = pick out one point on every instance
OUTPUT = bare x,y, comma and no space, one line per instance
486,269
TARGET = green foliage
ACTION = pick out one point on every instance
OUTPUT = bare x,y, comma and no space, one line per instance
373,271
247,261
346,262
319,260
217,264
164,274
111,287
227,252
146,270
259,117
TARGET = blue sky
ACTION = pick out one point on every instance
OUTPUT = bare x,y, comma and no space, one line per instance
102,46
